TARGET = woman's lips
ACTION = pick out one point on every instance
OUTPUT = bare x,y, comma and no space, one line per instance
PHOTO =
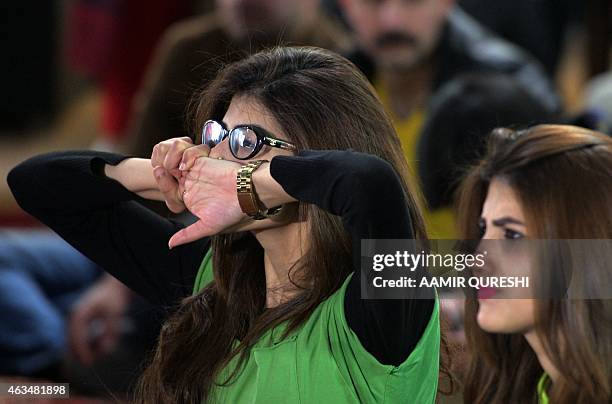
486,293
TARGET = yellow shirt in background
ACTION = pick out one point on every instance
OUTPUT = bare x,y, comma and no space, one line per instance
440,222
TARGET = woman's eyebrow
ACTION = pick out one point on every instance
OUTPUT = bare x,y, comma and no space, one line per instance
252,125
256,127
506,220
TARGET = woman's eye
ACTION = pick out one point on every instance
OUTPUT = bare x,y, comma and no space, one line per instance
482,228
512,235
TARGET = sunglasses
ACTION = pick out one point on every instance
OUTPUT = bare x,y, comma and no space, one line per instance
245,141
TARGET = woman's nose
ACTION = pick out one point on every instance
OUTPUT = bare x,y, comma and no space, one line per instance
222,150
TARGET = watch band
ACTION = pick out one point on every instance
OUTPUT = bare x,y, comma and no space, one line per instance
247,197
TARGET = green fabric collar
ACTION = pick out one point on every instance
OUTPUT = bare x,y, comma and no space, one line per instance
542,387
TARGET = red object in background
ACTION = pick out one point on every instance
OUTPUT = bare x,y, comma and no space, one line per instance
113,41
91,34
18,219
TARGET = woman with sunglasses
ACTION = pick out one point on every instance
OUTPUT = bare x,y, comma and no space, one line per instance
296,164
542,189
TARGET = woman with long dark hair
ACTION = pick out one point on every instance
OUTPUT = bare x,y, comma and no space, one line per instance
547,182
276,313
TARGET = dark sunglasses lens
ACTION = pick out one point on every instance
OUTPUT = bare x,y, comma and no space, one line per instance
243,142
212,134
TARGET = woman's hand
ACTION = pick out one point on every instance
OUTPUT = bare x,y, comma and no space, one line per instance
210,194
166,159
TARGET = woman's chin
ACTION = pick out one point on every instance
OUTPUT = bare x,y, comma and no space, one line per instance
489,319
505,316
288,214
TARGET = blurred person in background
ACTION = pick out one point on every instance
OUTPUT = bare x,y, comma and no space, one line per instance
409,49
61,315
38,288
460,118
192,52
546,182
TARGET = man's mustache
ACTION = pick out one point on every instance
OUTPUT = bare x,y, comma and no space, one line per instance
395,38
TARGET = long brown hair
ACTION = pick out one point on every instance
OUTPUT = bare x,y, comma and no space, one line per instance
321,101
562,176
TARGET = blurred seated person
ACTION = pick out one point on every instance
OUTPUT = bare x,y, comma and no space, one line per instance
41,277
62,315
460,118
192,52
410,49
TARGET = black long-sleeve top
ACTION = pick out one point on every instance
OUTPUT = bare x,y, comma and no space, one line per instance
69,192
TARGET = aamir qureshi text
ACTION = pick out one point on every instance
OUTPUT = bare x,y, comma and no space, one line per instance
411,261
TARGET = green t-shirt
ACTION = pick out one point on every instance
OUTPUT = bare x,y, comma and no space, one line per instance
323,361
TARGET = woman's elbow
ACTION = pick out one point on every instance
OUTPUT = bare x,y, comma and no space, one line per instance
24,182
377,176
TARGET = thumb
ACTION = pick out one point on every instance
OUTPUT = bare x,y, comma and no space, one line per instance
190,233
169,187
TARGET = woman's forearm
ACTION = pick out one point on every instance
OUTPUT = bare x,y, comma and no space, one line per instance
136,175
269,191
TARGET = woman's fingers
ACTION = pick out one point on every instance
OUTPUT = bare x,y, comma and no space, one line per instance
169,187
165,159
175,146
191,155
174,156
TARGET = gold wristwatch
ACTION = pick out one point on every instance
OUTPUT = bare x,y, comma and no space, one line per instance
247,197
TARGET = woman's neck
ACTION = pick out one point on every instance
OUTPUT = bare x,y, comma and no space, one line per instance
283,247
536,344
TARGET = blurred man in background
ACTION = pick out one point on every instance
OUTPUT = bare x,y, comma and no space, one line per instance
409,48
